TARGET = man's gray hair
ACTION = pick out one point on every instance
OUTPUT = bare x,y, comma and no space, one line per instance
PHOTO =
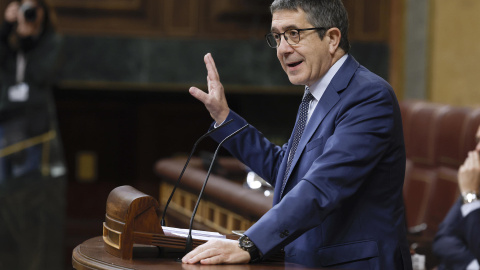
320,13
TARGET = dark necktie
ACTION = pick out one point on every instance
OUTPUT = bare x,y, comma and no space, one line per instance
297,135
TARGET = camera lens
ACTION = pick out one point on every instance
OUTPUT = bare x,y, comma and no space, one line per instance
29,12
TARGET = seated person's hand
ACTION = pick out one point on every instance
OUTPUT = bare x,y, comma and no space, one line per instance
469,174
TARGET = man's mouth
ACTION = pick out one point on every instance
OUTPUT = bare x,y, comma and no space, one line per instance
294,64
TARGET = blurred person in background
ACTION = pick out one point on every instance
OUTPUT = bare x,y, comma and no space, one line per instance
457,243
32,170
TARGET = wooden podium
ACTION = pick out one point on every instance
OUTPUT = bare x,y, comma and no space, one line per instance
134,239
91,255
133,217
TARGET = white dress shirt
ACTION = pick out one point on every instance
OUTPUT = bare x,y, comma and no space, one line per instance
318,88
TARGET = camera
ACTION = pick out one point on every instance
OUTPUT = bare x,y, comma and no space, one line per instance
29,12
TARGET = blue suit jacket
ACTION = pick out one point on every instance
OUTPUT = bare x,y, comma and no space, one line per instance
470,225
342,206
457,242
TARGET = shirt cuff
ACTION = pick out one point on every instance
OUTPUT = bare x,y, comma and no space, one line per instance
473,265
216,125
469,207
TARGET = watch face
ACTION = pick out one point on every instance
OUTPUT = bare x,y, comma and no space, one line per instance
470,197
245,242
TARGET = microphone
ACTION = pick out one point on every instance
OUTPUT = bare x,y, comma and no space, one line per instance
189,242
162,222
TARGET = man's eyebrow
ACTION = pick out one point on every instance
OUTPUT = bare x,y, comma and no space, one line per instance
292,26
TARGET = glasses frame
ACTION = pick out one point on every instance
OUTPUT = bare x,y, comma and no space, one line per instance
286,38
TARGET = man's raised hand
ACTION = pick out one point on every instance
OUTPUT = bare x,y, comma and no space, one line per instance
214,100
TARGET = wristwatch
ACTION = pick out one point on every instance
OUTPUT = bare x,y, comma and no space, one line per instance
469,197
246,244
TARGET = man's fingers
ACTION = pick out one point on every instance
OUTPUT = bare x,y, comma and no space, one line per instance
198,94
200,253
217,252
205,98
475,159
216,259
192,254
187,257
214,100
211,68
468,161
204,256
472,160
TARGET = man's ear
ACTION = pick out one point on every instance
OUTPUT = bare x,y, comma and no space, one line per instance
334,35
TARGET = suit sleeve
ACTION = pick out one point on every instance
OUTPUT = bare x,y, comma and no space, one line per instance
364,130
263,157
470,226
448,244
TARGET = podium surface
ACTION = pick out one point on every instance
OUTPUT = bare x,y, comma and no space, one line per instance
91,255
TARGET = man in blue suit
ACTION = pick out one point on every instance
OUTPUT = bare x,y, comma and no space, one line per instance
457,243
338,181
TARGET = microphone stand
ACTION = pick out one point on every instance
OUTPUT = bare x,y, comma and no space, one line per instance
162,222
189,242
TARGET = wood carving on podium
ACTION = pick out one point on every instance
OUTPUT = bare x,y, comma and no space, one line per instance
133,217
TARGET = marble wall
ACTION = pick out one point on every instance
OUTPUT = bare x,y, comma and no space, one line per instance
250,63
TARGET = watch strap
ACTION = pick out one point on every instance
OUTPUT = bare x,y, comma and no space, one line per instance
469,197
246,244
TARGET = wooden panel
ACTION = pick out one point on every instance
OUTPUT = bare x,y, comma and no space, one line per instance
119,17
199,18
235,18
369,20
166,18
180,17
98,4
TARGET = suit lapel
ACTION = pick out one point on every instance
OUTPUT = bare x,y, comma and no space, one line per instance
325,104
329,98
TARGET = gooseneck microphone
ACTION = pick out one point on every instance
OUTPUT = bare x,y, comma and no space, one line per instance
162,222
189,242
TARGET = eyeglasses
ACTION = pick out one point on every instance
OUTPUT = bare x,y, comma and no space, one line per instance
291,36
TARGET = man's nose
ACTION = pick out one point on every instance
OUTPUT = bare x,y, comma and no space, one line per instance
284,46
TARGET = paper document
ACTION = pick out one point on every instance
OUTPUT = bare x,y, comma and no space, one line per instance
196,234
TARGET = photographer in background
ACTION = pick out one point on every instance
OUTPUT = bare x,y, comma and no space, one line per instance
32,170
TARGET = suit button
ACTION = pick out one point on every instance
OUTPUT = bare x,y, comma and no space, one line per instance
284,234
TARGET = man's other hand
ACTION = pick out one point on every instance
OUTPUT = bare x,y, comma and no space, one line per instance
217,251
